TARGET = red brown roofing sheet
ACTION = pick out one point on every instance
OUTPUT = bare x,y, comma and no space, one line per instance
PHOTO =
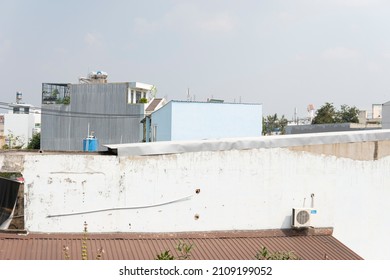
154,104
233,245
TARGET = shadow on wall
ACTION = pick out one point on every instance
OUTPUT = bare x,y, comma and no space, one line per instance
286,222
11,201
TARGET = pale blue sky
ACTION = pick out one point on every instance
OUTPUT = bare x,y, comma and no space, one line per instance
283,54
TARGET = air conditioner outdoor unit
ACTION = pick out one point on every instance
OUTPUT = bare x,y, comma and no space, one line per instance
300,217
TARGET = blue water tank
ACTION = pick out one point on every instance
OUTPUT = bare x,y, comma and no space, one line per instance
90,144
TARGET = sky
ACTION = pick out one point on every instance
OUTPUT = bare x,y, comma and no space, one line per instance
284,54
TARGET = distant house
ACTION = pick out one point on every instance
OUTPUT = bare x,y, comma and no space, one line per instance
110,111
386,115
20,123
2,137
185,120
330,127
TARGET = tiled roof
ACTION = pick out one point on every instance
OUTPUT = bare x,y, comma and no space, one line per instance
152,106
233,245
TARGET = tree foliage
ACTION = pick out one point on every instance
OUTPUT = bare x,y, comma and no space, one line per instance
347,114
35,142
274,125
14,141
329,114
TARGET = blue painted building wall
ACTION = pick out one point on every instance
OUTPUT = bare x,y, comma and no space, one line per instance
162,123
182,120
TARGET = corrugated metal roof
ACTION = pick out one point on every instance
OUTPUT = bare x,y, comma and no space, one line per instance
241,245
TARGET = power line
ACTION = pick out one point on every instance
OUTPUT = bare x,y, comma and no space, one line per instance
74,114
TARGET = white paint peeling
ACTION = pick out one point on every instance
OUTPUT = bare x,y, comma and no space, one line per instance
239,190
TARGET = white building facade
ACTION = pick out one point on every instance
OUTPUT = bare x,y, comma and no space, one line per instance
20,123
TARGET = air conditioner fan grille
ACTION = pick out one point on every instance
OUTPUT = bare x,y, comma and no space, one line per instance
302,217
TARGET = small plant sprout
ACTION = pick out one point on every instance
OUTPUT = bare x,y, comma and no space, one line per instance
99,255
84,247
65,250
264,254
166,255
183,249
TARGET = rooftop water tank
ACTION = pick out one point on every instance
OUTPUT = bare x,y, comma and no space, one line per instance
90,144
18,97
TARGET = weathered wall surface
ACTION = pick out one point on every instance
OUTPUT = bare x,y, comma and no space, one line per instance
371,150
104,108
237,190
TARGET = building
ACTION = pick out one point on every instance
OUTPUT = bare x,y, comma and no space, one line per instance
386,115
330,127
110,111
373,116
2,137
188,120
20,123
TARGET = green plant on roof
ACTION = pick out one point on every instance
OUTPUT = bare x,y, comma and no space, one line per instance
66,100
166,255
84,247
264,254
143,100
183,250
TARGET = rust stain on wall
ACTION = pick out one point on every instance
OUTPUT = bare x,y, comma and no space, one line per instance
364,151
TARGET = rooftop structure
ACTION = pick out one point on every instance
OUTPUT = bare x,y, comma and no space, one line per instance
113,111
190,120
20,123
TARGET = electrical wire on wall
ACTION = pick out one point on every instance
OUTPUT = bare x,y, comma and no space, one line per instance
120,208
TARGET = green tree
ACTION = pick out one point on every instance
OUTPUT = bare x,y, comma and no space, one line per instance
282,124
347,114
326,114
35,142
272,124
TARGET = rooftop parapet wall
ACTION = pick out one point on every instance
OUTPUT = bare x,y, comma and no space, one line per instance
329,140
372,150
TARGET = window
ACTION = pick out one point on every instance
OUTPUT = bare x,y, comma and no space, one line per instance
138,96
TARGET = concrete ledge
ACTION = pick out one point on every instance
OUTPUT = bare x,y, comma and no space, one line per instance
174,147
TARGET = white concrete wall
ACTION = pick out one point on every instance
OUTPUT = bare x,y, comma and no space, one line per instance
19,125
239,190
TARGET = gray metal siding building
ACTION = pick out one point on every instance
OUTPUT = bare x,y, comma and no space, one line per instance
103,108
